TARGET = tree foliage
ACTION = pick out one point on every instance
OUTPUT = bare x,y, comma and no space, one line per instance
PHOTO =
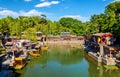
30,34
109,21
72,25
113,7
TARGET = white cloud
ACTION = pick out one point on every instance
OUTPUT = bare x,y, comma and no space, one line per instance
4,13
47,4
30,13
27,0
8,13
54,2
81,18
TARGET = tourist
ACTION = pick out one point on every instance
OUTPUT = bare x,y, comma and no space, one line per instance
9,53
108,41
103,40
99,40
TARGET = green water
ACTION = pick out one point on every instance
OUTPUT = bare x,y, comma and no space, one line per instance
64,61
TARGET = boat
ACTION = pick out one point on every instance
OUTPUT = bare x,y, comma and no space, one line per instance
100,48
44,48
34,53
19,63
95,56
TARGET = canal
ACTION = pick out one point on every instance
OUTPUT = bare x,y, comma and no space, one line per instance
65,61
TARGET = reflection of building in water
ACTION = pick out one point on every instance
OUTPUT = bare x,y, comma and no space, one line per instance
65,55
100,68
96,69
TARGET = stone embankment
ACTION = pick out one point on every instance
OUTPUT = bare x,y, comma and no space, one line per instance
65,42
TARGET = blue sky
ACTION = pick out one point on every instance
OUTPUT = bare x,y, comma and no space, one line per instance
53,9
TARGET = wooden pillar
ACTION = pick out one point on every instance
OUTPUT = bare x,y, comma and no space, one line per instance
101,50
22,62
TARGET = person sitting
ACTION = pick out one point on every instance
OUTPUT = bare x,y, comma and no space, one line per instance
9,53
16,54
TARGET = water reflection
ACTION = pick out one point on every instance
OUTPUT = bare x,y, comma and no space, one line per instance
56,62
97,69
65,61
65,55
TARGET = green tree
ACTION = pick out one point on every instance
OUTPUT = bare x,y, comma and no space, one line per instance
30,34
113,7
72,25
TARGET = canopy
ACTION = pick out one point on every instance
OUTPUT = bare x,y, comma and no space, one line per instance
103,34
